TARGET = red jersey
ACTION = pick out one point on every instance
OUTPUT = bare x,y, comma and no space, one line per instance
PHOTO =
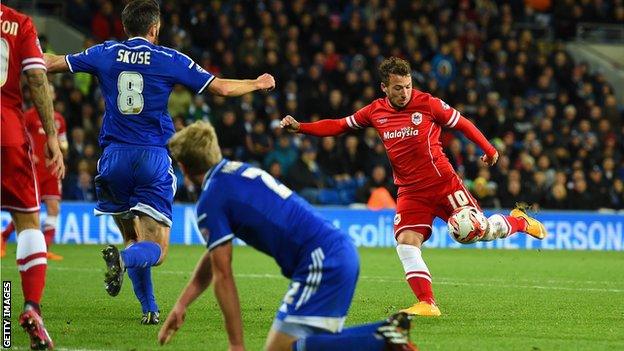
38,138
20,51
411,136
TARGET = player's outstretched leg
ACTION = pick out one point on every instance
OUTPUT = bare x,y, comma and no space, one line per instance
391,334
501,226
533,227
113,277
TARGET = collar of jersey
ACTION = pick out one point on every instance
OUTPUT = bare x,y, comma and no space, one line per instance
212,171
142,38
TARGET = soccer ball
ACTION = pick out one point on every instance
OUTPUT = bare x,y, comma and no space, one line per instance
467,225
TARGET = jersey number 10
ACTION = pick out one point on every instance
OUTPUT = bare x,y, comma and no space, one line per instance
130,88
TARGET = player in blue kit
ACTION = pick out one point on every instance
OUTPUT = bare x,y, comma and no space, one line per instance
135,181
321,261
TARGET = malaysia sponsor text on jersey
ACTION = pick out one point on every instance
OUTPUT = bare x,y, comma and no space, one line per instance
402,133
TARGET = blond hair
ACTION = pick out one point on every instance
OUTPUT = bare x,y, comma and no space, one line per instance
196,147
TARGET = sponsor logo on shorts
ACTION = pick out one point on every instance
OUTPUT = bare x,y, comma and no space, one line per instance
397,219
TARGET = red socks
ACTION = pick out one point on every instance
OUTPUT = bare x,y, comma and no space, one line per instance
32,263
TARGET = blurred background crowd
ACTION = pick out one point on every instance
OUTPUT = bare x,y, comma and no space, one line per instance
555,122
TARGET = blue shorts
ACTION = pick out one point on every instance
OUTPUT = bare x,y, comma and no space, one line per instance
135,179
321,290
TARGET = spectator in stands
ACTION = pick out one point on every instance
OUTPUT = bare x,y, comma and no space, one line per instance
179,101
378,180
106,24
232,136
259,143
284,153
305,176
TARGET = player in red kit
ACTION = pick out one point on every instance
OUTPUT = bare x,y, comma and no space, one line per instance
49,185
409,123
20,195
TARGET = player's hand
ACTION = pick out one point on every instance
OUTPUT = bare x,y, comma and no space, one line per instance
236,348
172,324
54,157
490,161
290,124
265,82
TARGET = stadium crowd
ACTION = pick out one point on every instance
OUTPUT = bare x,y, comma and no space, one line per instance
555,123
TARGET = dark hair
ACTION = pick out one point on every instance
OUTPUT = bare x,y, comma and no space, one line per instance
393,65
139,15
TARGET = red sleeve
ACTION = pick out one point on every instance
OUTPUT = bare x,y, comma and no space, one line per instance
324,127
474,134
331,127
30,52
360,119
443,114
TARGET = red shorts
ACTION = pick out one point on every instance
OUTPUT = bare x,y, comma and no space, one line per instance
19,183
49,186
416,209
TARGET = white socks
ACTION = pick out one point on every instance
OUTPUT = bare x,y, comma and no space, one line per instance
499,228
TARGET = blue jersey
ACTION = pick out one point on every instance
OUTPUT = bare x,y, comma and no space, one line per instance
136,78
246,202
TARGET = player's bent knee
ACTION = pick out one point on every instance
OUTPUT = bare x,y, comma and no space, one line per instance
25,220
164,250
410,237
278,341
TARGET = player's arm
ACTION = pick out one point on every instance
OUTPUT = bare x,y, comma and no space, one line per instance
322,128
41,97
449,117
329,127
226,293
474,134
195,287
188,73
238,87
56,63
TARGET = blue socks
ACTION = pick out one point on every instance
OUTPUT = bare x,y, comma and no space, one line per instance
139,259
141,254
143,289
136,276
360,337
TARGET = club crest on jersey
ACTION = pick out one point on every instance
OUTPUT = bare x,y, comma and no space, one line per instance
416,118
397,219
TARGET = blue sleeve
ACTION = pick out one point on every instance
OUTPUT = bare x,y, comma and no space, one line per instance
213,222
190,74
86,61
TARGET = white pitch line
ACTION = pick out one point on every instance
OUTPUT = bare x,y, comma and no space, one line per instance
442,281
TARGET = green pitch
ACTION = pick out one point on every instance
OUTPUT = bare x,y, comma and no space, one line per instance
490,300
